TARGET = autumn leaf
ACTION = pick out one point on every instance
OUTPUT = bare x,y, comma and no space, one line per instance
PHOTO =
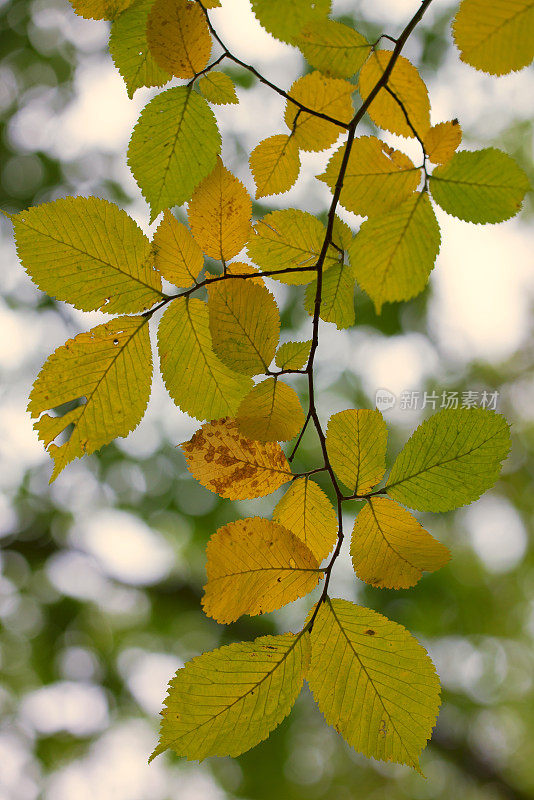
285,21
275,165
176,254
292,355
270,412
99,9
179,37
330,96
356,442
308,513
442,140
218,88
333,48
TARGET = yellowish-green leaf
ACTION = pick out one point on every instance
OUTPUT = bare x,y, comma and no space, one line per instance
330,96
226,462
482,186
255,566
393,255
87,252
179,37
285,20
99,9
390,548
129,49
356,441
292,355
408,87
378,178
496,36
337,296
109,371
442,140
174,145
450,460
275,165
176,254
218,88
271,412
341,234
219,214
289,239
333,48
196,379
308,513
244,324
373,682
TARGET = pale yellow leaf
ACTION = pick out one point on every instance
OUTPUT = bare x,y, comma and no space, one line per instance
308,513
176,254
218,88
179,37
333,48
271,412
293,355
442,140
356,442
275,165
330,96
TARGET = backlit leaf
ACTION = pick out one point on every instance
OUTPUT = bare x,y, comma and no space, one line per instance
482,186
356,441
129,49
337,296
219,214
218,88
109,370
390,548
330,96
227,701
333,48
409,88
255,566
378,178
308,513
285,20
271,412
198,382
373,682
174,145
226,462
442,140
244,324
275,165
99,9
87,252
292,355
496,36
450,460
393,255
176,254
242,268
179,37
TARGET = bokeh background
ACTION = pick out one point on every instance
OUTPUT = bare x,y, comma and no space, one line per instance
102,571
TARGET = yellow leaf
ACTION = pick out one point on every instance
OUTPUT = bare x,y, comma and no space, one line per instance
333,48
99,9
390,548
219,214
329,96
496,36
337,297
408,87
176,254
179,37
293,355
195,377
373,682
109,371
226,462
255,566
224,702
442,140
275,165
378,178
356,443
242,268
308,513
218,88
211,3
244,324
271,412
289,238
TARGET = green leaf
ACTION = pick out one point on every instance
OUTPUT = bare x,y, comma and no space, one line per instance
373,682
337,297
378,178
227,701
174,145
333,48
198,382
285,20
450,460
244,324
482,186
308,513
87,252
292,355
109,371
271,412
129,49
356,441
393,255
218,88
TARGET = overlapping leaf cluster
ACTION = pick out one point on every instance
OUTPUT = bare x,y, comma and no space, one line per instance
219,335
